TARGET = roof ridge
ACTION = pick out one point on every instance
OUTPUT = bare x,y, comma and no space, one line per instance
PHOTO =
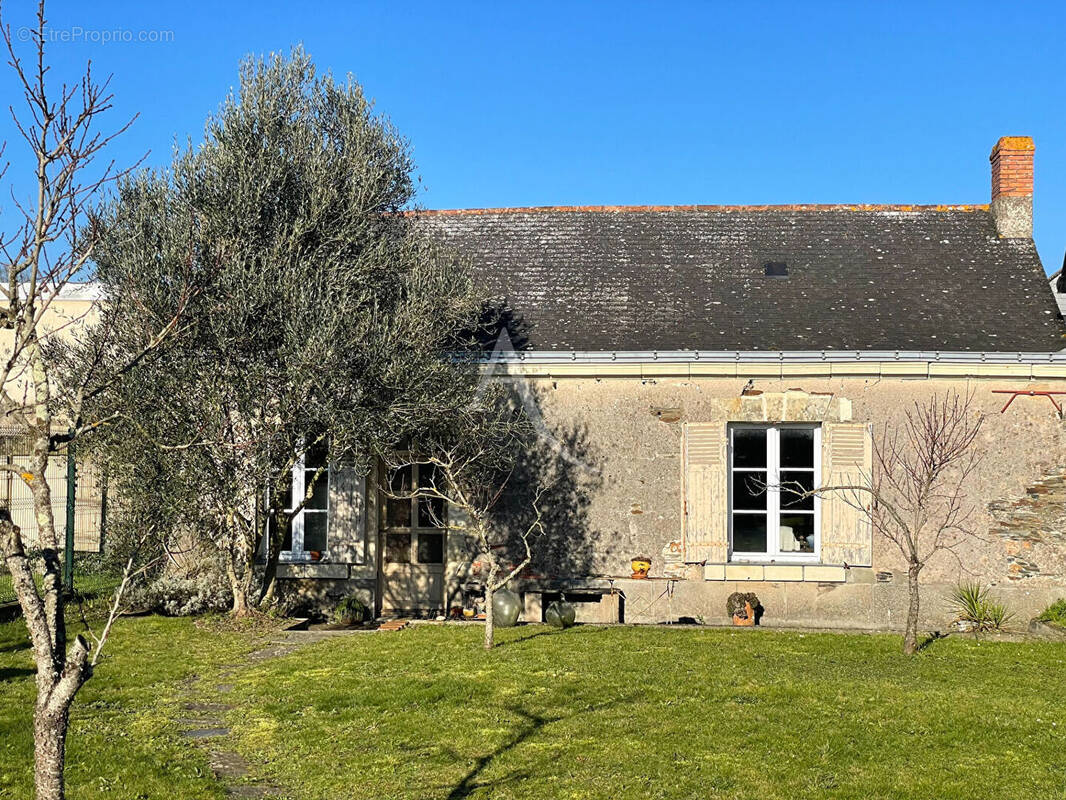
444,212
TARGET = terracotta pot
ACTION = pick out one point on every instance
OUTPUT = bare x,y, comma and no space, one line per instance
316,555
745,622
640,566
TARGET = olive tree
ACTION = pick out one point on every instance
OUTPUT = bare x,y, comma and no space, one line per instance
319,318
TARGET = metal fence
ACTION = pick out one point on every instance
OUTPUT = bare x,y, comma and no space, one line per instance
86,498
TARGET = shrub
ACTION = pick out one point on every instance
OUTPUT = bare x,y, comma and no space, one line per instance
351,610
1055,614
183,596
973,604
734,604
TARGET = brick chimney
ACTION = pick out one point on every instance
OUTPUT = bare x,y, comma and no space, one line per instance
1012,187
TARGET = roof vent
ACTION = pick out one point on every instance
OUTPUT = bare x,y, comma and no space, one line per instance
776,269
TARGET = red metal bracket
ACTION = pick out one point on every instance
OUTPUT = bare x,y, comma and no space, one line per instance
1028,393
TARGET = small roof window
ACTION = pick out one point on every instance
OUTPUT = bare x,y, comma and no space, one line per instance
776,269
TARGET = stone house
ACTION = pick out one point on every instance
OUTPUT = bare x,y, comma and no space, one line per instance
674,351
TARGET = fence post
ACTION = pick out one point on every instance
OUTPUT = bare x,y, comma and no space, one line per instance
72,485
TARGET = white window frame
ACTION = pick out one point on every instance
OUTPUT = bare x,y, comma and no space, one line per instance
299,485
773,553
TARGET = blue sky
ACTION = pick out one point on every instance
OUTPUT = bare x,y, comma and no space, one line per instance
547,103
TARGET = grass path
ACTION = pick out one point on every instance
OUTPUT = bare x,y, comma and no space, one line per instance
123,740
206,703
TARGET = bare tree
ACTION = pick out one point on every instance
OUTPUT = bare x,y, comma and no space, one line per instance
921,471
47,247
916,497
472,462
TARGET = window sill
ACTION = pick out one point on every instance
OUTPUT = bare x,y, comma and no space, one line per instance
777,572
299,558
313,569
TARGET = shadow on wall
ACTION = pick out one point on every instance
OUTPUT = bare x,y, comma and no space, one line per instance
566,464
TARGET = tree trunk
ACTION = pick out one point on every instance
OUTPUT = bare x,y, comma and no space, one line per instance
272,535
270,586
910,635
49,751
490,630
240,566
242,606
240,586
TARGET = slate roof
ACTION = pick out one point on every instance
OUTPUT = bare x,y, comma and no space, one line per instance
693,278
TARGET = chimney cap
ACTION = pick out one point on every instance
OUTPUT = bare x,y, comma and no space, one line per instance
1013,143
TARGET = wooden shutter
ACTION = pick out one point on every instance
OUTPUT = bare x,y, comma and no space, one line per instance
706,493
346,537
847,460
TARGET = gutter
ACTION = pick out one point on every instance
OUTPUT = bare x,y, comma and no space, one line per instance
550,357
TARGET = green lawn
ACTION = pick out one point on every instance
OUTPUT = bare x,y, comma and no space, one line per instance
123,742
87,582
584,713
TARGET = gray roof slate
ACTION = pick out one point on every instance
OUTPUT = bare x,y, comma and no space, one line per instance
918,278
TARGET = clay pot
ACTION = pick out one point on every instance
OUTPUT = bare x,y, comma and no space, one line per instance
640,566
745,622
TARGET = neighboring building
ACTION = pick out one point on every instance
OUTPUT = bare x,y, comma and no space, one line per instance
63,317
674,349
1058,288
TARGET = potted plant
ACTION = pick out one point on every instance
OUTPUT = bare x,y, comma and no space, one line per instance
744,608
641,566
351,611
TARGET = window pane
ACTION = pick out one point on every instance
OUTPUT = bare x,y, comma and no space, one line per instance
431,548
793,482
400,480
285,522
397,513
284,498
749,492
428,476
749,533
430,509
749,447
797,533
315,530
398,548
319,492
797,447
316,455
398,510
430,512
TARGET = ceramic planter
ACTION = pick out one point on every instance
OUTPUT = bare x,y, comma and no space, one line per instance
640,566
746,621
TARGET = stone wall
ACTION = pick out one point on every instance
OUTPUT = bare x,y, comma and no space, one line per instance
629,432
616,451
1032,530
